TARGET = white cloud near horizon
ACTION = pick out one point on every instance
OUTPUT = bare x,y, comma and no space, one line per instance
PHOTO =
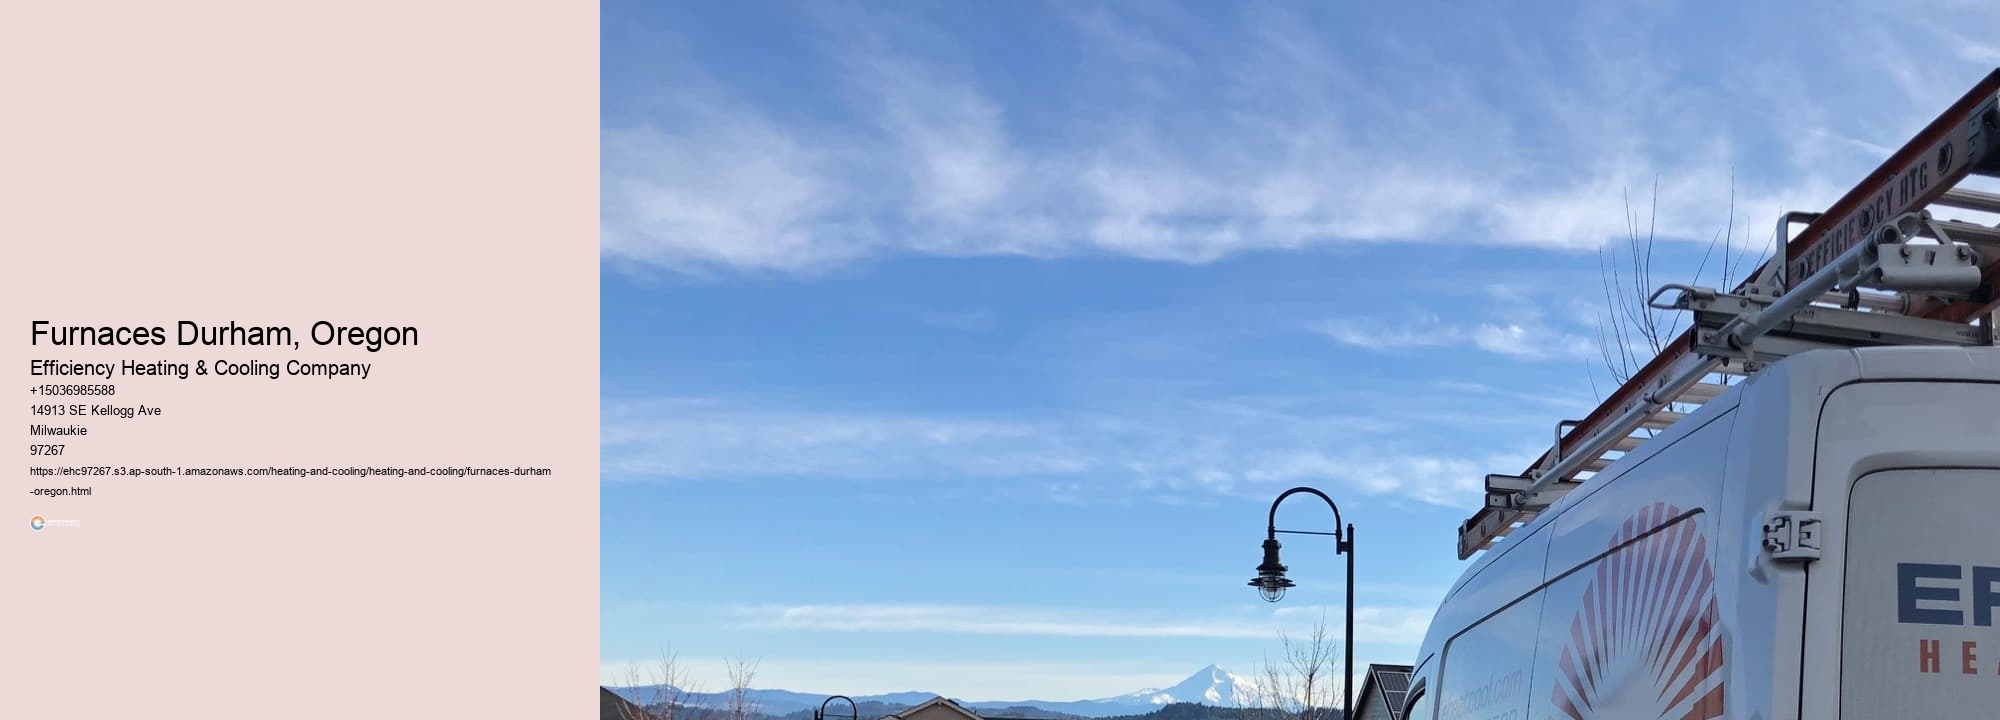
1401,625
977,620
973,680
1078,457
1265,139
1518,340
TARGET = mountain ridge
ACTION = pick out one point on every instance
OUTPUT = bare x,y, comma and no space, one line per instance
1211,685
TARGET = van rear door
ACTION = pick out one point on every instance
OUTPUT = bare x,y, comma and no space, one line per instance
1922,596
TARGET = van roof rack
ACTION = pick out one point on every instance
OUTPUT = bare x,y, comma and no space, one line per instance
1877,268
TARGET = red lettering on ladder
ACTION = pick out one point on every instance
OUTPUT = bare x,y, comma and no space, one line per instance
1927,656
1967,667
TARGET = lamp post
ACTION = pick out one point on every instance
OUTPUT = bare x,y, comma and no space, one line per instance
1271,581
853,712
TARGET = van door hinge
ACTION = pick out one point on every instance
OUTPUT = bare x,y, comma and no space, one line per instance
1792,535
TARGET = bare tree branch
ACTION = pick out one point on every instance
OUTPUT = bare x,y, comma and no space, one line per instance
666,689
1299,685
741,674
1630,332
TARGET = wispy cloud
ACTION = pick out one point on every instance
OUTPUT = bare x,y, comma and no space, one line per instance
985,621
1441,479
1390,625
734,190
1520,327
1551,400
1524,341
970,320
951,141
1268,138
1076,459
701,438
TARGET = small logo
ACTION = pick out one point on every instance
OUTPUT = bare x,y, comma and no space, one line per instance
37,523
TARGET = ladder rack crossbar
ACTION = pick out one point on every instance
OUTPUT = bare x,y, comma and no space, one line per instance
1964,199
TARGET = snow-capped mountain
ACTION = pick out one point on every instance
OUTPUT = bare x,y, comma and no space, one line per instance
1208,686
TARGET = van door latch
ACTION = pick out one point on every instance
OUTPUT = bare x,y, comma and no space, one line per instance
1792,535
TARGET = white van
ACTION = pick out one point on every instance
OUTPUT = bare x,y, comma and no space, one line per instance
1820,542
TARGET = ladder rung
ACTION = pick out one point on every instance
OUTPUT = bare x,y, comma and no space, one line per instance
1700,393
1623,445
1662,420
1519,520
1970,200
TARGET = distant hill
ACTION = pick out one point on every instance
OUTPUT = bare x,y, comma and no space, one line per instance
873,710
1026,712
1211,687
866,710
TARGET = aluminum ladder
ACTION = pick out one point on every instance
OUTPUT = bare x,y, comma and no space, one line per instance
1877,268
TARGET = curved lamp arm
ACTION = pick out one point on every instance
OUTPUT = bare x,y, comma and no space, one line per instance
1343,543
854,711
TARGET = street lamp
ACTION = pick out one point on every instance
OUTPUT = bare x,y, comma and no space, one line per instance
1271,581
853,712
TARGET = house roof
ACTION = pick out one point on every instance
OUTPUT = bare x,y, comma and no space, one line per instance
1385,684
613,707
935,702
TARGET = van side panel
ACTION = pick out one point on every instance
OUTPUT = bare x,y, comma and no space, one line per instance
1501,582
1630,625
1485,634
1686,474
1486,667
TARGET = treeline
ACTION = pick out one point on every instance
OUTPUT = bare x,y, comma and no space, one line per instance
616,708
867,710
1024,712
1197,711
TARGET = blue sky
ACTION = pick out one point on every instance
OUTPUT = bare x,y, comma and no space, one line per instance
962,348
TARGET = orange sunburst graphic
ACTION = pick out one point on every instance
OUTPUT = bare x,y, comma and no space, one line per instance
1645,643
